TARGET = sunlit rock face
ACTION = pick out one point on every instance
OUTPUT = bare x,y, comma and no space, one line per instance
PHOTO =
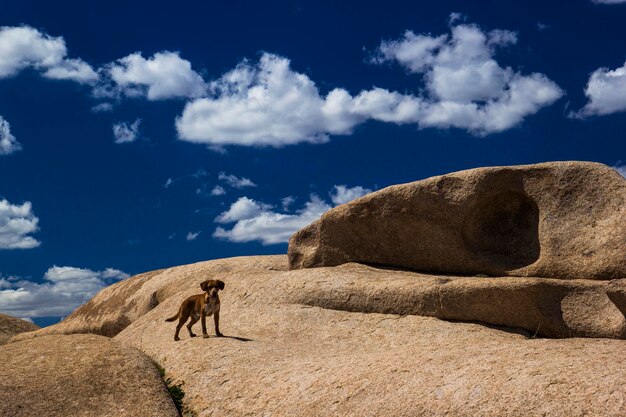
557,219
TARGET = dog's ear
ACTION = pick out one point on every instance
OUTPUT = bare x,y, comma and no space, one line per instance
220,284
204,284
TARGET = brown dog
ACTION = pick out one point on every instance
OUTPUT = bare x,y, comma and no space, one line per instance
199,307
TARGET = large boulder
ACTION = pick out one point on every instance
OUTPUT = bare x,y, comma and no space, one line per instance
558,219
10,326
80,375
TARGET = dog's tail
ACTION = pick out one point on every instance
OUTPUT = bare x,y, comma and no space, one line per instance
174,317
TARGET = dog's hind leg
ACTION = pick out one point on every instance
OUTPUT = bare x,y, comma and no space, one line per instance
194,320
183,319
178,326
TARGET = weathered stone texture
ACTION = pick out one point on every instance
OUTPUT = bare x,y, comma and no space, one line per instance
558,219
80,375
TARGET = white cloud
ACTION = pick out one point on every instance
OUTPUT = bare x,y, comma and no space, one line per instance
218,190
163,76
606,91
608,1
266,104
8,143
63,290
242,209
192,236
24,47
16,223
235,182
465,87
256,221
342,194
267,226
125,133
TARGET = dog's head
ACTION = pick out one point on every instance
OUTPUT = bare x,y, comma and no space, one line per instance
212,286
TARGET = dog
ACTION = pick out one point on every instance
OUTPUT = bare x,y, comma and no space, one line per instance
200,306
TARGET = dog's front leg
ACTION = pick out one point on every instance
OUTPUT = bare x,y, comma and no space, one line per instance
216,318
204,333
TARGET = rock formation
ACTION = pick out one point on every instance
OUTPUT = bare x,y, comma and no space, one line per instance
10,326
366,338
559,219
80,375
350,340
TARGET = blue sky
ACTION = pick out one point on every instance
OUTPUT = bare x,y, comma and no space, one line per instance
141,135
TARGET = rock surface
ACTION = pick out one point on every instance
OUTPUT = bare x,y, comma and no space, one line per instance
346,341
558,219
80,375
542,306
10,326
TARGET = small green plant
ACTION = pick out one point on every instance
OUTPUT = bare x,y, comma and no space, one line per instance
176,392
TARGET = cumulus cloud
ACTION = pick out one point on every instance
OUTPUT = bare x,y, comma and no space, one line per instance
263,104
253,222
621,168
8,143
125,132
341,194
163,76
235,182
256,221
17,222
465,87
24,47
243,209
606,91
62,291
